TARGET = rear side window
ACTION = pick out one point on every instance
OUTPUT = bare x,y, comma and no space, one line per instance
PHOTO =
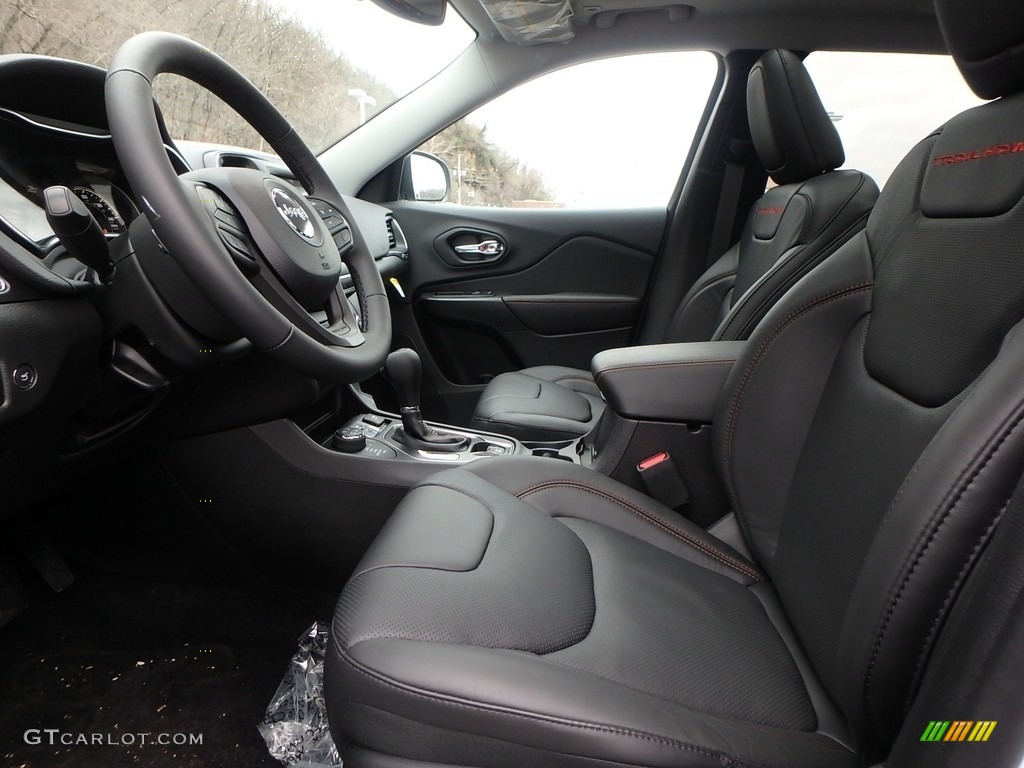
884,103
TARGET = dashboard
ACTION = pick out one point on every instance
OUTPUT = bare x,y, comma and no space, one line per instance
37,152
89,365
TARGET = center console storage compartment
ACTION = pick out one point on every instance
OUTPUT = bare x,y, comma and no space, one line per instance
666,382
661,399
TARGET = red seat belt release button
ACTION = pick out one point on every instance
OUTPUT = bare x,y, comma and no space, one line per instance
662,479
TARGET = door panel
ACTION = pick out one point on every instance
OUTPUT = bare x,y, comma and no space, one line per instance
565,285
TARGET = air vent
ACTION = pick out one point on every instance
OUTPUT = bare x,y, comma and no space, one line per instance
397,244
226,160
392,240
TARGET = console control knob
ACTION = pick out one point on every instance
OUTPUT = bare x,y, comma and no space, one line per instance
349,439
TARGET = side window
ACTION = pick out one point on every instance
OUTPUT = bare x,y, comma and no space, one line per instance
884,103
608,133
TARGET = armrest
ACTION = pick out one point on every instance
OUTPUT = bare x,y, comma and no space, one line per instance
665,382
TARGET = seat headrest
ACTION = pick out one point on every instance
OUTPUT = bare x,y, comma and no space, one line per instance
792,132
987,43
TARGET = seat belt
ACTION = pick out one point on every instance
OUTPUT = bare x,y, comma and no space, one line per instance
736,158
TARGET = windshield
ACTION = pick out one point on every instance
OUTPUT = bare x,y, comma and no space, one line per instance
328,65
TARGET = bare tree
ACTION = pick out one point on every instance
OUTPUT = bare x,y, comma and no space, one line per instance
277,52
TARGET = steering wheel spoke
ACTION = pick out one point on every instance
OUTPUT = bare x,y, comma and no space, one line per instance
332,324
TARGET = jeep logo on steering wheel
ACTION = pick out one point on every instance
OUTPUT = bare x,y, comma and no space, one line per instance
292,213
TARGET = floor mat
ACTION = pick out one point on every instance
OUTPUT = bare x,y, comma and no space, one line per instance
115,672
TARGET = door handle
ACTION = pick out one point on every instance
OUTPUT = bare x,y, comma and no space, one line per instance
470,247
486,249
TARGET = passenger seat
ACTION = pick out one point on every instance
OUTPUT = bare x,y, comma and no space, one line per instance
789,230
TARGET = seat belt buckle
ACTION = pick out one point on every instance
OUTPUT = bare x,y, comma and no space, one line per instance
662,480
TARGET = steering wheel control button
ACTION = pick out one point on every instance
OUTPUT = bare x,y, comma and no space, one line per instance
239,252
335,223
25,377
229,219
324,210
350,439
234,241
210,199
222,205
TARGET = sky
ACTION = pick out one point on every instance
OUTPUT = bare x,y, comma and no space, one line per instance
616,132
888,102
398,52
607,133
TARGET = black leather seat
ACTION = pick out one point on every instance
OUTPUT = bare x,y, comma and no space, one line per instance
529,612
792,228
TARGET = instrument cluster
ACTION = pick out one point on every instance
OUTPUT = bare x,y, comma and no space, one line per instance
36,153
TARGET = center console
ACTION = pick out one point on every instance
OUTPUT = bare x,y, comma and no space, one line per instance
407,437
383,437
379,436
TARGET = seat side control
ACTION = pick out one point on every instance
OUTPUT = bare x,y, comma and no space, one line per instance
662,480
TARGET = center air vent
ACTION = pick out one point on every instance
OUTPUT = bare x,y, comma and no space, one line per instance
260,161
228,160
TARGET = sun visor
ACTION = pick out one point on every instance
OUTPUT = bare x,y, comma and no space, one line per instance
530,22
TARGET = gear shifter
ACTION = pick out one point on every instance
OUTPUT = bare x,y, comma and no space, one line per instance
404,369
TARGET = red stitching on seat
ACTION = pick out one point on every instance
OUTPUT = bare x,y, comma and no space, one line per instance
697,544
763,349
604,372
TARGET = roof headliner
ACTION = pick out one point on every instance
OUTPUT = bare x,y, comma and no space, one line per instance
725,25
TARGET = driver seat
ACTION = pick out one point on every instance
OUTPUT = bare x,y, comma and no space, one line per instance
530,612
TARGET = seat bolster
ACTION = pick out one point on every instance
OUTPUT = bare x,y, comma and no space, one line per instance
544,403
931,535
574,379
537,708
782,372
566,490
702,308
832,207
435,528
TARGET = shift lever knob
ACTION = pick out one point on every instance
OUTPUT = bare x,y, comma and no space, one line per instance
404,369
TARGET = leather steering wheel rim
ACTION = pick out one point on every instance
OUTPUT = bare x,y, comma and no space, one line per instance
172,211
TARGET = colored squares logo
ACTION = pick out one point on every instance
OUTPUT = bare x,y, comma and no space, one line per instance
958,730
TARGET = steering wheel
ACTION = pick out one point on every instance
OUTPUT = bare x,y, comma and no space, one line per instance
291,265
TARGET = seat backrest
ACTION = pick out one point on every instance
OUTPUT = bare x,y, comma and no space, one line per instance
871,433
796,224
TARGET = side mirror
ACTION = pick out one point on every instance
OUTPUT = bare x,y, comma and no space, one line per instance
425,178
429,12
